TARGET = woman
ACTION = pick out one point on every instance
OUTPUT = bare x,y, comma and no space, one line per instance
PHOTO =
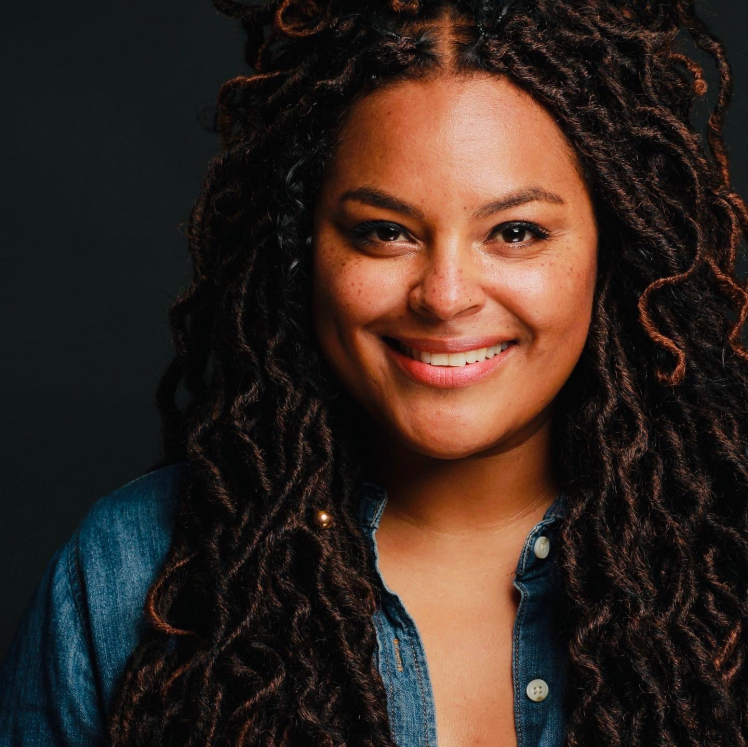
463,445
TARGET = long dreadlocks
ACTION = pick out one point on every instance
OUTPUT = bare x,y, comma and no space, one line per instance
260,625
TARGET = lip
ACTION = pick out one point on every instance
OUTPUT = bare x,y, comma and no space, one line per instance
449,344
448,377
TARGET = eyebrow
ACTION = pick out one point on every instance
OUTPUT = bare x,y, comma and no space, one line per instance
378,198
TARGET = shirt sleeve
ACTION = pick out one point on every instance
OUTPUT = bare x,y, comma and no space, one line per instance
48,684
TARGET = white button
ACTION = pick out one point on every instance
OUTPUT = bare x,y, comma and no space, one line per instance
542,547
537,690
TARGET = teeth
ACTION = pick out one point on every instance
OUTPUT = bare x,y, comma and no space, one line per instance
453,359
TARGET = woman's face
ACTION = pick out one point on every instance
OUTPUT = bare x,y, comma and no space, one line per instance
453,222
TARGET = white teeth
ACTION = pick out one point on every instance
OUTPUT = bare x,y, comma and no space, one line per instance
453,359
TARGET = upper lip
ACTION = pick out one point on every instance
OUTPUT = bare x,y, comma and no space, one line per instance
449,344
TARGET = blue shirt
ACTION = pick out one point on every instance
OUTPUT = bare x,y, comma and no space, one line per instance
85,618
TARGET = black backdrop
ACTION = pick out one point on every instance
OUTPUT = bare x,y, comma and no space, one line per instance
103,153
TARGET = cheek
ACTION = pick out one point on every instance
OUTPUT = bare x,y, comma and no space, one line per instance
553,299
575,306
348,291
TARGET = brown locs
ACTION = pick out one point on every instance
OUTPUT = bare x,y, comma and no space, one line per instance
260,628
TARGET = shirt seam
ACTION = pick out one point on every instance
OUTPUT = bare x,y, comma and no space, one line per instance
518,686
421,688
74,577
383,661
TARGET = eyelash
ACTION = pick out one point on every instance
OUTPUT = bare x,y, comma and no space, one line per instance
362,230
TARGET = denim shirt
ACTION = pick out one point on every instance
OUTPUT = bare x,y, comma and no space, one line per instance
539,653
86,615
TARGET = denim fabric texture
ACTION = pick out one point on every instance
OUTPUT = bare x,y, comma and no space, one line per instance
86,615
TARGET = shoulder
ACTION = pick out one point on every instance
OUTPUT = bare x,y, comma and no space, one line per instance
115,555
128,531
86,615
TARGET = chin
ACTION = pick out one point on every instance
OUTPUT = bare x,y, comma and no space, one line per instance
444,445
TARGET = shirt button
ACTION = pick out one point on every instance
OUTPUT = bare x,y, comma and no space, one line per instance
542,547
537,690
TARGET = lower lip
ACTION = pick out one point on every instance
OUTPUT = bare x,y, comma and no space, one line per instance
448,377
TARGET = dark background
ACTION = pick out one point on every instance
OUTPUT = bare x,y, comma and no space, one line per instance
103,153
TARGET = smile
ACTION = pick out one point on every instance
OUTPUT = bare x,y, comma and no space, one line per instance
452,359
449,370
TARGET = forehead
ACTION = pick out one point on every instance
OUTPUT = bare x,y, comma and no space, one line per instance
481,130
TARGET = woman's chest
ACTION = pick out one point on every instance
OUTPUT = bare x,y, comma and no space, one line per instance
469,655
471,648
466,631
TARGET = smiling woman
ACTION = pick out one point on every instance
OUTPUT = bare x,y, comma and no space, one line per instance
467,240
462,459
452,297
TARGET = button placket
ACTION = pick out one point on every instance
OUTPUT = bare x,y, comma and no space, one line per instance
537,690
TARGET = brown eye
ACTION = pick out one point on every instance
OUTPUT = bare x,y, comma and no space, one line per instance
515,234
372,232
521,232
387,233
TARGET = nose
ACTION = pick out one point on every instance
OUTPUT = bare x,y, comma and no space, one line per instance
449,283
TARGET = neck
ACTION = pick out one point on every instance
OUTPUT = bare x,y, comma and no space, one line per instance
470,497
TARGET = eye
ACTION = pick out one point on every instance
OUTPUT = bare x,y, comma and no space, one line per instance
372,231
516,232
520,233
